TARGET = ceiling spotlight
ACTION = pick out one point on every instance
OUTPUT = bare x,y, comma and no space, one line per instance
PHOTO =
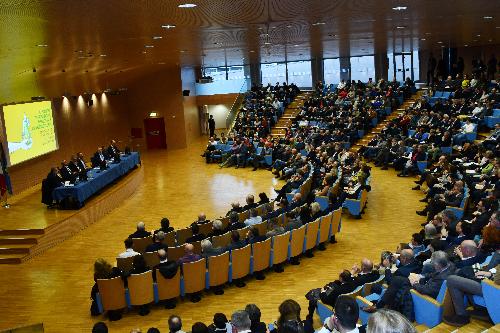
168,26
267,43
400,27
478,35
182,51
490,40
318,23
296,45
251,51
144,52
103,55
187,5
42,45
288,26
157,37
466,45
423,39
487,17
440,42
149,46
399,8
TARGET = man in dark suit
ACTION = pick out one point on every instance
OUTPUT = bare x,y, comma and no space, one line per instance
73,165
234,222
140,232
99,158
468,254
195,229
365,274
208,250
168,269
250,203
345,284
211,125
66,172
81,161
53,180
113,150
157,243
407,265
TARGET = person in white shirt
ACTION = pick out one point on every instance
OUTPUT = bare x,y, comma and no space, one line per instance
344,319
461,137
253,219
241,322
129,251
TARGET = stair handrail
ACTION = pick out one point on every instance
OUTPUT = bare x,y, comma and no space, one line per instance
235,107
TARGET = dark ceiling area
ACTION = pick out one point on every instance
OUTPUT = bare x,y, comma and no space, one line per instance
97,42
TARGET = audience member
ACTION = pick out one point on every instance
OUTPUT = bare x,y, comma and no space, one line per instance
189,255
129,251
140,232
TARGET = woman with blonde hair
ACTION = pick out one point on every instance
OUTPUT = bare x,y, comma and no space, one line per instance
103,270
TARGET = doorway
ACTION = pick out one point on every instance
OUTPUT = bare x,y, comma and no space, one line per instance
156,137
403,66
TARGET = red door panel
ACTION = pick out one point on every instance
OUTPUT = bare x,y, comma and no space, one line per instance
155,133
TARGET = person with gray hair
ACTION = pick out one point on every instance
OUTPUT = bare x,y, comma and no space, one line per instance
250,203
158,244
407,265
208,250
389,321
241,321
141,231
217,228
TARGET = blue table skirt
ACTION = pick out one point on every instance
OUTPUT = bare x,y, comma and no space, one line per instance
97,179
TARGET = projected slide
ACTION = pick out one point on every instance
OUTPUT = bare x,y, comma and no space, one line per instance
30,130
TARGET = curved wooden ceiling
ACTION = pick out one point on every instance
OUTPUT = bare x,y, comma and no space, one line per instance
99,43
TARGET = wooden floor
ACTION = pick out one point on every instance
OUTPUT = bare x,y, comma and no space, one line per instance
54,287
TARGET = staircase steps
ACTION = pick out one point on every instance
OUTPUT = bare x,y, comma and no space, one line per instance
291,112
15,244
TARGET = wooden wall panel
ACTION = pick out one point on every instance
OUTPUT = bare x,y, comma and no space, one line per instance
159,92
79,128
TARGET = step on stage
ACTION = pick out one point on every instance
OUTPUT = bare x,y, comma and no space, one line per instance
28,228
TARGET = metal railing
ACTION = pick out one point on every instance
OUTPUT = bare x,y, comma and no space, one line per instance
235,108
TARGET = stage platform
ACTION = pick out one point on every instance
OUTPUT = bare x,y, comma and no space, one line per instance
28,228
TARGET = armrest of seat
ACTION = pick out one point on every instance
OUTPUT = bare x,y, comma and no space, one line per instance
363,303
424,299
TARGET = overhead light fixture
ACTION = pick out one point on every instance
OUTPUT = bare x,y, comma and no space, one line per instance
487,17
168,26
144,52
187,5
42,45
149,46
423,39
318,23
440,42
399,8
157,37
288,26
267,43
478,35
466,45
400,27
182,51
153,114
490,40
296,45
103,55
251,51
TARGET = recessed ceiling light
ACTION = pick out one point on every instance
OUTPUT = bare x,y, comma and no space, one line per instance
399,8
423,39
497,27
251,51
168,26
182,51
440,42
157,37
400,27
187,5
466,45
318,23
296,45
487,17
149,46
478,35
490,40
267,43
103,55
42,45
288,26
475,40
144,52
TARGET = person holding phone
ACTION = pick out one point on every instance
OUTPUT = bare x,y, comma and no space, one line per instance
344,319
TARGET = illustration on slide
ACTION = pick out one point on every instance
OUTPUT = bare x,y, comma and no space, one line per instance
26,140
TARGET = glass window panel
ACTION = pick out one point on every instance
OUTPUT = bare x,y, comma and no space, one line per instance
416,66
299,72
272,73
363,68
331,69
390,71
217,73
236,73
